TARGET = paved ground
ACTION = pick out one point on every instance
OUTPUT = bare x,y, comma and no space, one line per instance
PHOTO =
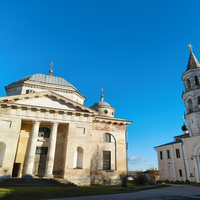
174,190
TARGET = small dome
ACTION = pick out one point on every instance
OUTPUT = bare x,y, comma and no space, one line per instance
101,103
47,79
184,128
103,108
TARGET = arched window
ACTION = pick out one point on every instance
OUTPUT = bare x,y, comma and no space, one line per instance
2,152
188,84
107,137
79,158
190,106
44,132
196,80
199,101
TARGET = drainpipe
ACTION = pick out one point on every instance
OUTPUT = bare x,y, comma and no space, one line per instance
126,138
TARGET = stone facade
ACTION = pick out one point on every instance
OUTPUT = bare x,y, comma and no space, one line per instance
46,131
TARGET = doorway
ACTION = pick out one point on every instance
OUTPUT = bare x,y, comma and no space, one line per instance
40,161
16,169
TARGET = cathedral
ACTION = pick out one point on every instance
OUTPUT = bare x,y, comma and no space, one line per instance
180,159
46,131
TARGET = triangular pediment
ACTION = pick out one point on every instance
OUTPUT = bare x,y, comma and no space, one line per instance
49,100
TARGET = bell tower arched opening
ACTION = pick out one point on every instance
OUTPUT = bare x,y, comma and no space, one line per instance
190,106
188,84
196,80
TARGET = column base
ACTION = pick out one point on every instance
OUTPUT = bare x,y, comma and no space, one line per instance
48,176
27,176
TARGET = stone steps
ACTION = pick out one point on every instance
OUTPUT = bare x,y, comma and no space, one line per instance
35,182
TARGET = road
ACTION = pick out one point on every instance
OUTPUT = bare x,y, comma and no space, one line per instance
173,191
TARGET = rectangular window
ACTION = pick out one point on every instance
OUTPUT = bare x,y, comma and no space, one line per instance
106,160
168,154
161,156
180,173
178,153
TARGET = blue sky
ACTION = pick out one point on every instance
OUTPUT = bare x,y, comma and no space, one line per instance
135,50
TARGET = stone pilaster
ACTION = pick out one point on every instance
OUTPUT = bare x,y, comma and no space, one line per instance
51,150
28,171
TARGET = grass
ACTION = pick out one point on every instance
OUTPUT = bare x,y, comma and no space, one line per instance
50,192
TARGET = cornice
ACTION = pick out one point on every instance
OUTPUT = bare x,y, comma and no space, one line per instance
44,114
189,71
114,121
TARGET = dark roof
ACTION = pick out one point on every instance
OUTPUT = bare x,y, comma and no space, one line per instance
178,137
192,62
184,127
47,79
178,141
101,103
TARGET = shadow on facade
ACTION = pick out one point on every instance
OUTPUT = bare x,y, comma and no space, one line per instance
100,176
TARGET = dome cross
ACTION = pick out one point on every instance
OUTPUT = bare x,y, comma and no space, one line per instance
51,71
190,47
102,94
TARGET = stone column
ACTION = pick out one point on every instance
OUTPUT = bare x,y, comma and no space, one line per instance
51,151
28,171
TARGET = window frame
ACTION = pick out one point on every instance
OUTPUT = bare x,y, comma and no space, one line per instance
107,137
107,161
168,154
161,155
180,173
44,132
178,155
196,80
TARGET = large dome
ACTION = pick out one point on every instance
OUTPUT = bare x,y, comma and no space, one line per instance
47,79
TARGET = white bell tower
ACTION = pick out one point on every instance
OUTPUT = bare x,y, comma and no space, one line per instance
191,96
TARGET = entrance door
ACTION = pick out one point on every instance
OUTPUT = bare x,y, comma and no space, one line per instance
16,168
40,161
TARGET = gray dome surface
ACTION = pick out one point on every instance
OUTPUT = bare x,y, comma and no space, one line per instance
101,103
47,79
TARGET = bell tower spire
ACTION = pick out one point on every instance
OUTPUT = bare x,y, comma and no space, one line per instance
191,95
193,63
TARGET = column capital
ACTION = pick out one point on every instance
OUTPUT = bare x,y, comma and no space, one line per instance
54,123
36,122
